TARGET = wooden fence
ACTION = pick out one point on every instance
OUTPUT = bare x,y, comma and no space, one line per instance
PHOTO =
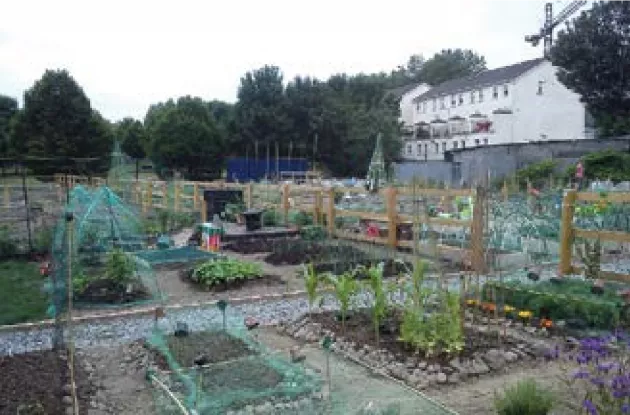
568,232
320,203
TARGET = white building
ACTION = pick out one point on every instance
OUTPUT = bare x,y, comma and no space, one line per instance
519,103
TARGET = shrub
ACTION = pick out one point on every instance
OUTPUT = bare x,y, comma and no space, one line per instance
225,270
313,233
120,268
572,299
524,398
8,245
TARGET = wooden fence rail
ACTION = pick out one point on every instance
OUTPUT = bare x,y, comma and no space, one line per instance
569,232
320,202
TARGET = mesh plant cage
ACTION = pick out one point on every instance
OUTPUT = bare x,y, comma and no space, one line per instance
93,254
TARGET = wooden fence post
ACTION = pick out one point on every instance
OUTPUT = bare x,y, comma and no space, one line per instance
566,232
204,211
505,191
476,237
149,202
7,195
331,212
165,195
176,198
392,217
195,195
249,195
285,202
317,210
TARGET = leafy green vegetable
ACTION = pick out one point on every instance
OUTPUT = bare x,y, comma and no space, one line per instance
225,270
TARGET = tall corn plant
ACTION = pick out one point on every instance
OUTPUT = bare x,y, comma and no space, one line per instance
311,282
379,296
345,287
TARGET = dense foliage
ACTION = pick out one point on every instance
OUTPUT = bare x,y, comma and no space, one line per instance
59,125
594,56
332,122
223,271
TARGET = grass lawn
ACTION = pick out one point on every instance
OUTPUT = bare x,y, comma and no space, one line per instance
21,295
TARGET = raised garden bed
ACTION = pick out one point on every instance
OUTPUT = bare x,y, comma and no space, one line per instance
568,300
221,274
300,252
391,268
106,291
36,384
235,373
483,352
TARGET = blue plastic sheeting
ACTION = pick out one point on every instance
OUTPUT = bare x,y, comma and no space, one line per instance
245,170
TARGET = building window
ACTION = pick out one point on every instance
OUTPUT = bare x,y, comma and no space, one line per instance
463,143
426,150
417,107
437,147
434,104
461,99
472,97
453,101
409,149
505,90
444,146
495,92
455,144
485,141
442,103
419,149
481,95
540,87
476,141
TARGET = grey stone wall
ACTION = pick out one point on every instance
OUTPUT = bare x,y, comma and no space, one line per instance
467,166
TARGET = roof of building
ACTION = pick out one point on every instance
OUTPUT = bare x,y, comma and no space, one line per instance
488,77
402,90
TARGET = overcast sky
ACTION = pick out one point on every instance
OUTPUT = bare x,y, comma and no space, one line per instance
130,54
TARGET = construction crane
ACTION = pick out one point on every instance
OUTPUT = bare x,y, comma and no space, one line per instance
546,32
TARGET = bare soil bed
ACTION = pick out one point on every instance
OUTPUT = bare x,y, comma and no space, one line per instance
360,330
37,381
214,346
106,291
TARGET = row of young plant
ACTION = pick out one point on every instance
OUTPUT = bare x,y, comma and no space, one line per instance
430,320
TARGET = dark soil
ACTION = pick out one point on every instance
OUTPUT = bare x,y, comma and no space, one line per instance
256,246
216,346
391,268
230,366
262,281
106,291
300,252
360,330
36,380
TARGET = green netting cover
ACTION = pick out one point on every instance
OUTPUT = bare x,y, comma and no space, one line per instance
251,375
94,243
175,255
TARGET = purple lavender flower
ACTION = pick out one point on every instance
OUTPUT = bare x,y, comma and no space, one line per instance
590,407
620,394
581,374
625,408
598,381
606,366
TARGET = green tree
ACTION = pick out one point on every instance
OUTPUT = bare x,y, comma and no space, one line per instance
130,133
261,110
58,122
8,111
593,54
184,136
451,64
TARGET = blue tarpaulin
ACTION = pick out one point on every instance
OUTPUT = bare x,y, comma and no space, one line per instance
245,170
